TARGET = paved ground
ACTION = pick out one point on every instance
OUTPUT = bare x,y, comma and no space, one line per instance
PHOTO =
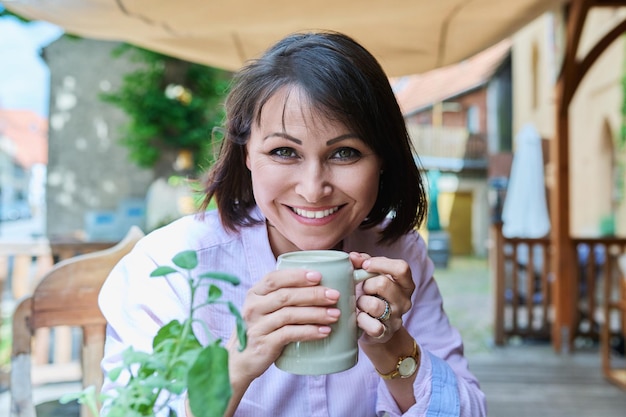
466,289
522,379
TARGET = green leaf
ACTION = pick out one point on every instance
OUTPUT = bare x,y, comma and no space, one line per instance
178,361
209,387
186,259
214,293
178,386
162,271
221,277
189,356
77,396
241,326
131,356
115,373
171,330
234,311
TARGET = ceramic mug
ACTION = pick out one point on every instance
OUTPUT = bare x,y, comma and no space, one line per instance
338,351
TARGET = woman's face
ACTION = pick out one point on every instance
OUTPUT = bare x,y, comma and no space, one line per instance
314,180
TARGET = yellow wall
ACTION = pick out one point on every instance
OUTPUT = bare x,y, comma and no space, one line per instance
456,209
463,213
594,112
534,72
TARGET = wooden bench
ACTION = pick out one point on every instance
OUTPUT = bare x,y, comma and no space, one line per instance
66,296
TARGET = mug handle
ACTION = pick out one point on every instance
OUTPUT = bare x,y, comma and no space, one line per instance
361,275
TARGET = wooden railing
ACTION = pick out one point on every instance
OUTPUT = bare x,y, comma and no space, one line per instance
22,265
523,287
598,277
612,347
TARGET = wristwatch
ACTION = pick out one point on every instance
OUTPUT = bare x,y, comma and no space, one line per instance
406,367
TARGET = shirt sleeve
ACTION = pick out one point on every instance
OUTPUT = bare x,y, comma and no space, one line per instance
444,386
136,306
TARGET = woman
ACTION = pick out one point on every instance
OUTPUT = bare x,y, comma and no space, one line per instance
316,156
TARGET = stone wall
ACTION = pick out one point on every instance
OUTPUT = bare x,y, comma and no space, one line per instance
89,173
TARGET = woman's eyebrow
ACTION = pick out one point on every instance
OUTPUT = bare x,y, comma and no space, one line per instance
299,142
342,137
285,136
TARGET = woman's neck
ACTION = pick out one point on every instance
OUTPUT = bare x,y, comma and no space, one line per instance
280,245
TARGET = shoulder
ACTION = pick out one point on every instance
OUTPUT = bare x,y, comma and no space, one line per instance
192,232
158,248
203,232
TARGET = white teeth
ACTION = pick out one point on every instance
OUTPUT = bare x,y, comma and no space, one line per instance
315,214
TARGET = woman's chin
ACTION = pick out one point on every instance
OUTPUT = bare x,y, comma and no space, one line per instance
320,246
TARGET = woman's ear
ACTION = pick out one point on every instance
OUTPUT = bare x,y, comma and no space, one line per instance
246,154
247,159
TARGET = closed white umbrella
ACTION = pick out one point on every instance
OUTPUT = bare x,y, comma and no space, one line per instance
525,211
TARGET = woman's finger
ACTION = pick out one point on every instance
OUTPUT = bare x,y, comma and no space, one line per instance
286,278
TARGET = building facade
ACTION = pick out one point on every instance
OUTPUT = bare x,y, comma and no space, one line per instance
596,159
91,182
457,117
23,158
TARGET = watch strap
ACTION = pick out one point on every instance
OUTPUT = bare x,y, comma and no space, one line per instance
396,372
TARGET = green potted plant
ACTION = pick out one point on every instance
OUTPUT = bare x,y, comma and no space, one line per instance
178,362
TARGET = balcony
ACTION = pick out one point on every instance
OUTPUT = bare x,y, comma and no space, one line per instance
449,148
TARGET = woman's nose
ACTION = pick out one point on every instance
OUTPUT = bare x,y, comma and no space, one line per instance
313,183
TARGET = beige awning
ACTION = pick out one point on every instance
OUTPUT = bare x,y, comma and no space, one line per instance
407,36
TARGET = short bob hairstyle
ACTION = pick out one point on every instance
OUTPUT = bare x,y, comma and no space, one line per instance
342,81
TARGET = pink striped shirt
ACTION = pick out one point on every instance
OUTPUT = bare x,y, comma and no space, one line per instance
136,306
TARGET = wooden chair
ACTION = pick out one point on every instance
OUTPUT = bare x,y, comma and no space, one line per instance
66,296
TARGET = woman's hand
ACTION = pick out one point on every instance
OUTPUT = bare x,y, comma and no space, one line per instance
285,306
385,339
394,285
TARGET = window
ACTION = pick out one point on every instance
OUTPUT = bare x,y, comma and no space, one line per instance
473,120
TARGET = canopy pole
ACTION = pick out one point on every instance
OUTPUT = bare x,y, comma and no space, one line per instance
563,285
564,253
563,256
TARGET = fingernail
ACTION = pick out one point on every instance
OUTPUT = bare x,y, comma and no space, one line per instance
332,294
313,276
324,329
333,312
366,264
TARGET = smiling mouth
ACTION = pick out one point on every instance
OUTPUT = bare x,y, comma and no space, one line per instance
314,214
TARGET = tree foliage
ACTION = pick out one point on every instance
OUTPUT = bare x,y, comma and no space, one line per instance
171,105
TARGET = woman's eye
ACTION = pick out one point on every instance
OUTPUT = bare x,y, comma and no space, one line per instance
346,154
284,153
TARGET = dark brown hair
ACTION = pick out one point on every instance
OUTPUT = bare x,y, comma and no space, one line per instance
344,82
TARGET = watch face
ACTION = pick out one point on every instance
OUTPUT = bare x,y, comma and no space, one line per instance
407,367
